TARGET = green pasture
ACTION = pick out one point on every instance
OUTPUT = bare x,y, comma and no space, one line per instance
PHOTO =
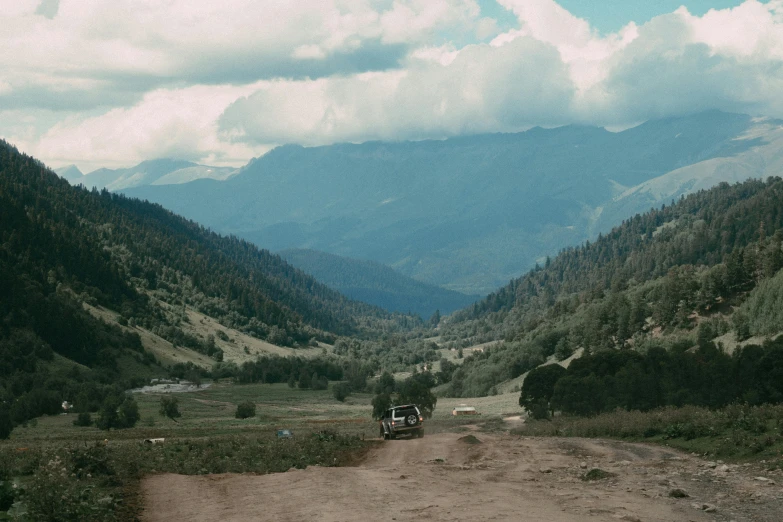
210,412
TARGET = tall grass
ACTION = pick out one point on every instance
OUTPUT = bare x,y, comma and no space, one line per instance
738,430
99,482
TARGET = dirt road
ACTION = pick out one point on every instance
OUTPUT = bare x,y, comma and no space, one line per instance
502,477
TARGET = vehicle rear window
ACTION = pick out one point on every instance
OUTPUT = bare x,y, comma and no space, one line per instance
403,413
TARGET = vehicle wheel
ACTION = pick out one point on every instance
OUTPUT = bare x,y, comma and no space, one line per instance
382,434
411,420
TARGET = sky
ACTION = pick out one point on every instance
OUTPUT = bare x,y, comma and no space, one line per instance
110,83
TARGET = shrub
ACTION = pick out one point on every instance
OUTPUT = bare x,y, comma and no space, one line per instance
305,380
128,413
319,383
7,493
53,495
91,482
118,412
341,391
386,383
538,409
169,407
246,410
380,403
597,474
6,426
83,419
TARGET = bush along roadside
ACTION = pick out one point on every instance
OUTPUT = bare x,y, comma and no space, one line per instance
100,482
737,431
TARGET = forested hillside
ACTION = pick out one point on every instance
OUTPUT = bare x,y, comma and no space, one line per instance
62,248
701,270
377,284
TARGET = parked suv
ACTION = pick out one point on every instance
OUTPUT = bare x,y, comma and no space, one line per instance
401,420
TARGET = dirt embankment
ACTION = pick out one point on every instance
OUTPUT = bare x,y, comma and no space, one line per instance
499,477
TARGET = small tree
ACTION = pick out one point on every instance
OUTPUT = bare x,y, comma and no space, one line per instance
319,383
129,413
447,369
386,383
380,403
417,390
246,410
305,381
194,375
118,412
356,375
169,407
341,391
538,388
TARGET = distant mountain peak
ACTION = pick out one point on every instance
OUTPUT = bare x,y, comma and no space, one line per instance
69,173
165,163
160,171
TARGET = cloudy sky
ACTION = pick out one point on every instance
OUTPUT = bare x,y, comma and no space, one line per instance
114,82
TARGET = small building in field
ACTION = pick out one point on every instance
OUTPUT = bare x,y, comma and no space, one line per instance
463,409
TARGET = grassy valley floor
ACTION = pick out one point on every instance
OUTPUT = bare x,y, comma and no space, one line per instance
101,475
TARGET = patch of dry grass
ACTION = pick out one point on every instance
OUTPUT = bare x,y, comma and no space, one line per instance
738,430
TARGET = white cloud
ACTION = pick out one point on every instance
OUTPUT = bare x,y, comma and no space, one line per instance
553,69
165,123
97,45
750,29
479,89
680,63
410,19
580,46
219,82
443,55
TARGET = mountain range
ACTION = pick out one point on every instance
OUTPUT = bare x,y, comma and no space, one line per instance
377,284
471,213
152,172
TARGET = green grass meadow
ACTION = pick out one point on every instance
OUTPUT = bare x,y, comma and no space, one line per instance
52,470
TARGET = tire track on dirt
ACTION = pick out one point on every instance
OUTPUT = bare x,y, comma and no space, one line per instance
443,478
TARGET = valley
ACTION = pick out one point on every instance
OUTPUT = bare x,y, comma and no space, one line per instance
248,248
646,320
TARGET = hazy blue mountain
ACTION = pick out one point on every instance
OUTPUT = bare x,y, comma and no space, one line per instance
154,172
762,160
466,213
71,174
376,284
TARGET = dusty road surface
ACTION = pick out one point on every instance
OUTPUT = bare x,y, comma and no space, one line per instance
502,477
